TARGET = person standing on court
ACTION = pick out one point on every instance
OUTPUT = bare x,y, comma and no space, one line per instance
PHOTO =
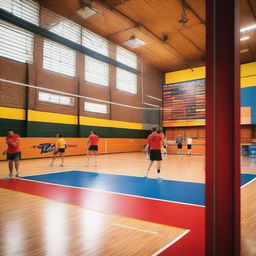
155,142
189,145
179,140
92,146
13,152
164,147
60,147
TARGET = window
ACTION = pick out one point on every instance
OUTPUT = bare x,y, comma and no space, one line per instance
126,81
67,29
96,71
96,108
126,57
16,43
25,9
59,58
56,99
95,42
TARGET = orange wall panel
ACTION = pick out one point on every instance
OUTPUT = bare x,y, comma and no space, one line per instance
39,147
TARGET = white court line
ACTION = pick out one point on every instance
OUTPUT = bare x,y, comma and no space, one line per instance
110,192
248,182
137,229
44,173
171,243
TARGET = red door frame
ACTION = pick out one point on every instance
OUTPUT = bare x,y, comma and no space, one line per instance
222,128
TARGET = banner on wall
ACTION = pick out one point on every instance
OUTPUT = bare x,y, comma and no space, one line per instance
44,147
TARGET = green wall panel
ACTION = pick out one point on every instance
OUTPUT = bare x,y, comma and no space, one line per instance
42,129
19,126
109,132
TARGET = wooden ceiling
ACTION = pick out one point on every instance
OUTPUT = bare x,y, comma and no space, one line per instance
170,45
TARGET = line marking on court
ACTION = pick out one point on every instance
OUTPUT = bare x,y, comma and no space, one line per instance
137,229
44,173
105,191
116,224
171,243
248,182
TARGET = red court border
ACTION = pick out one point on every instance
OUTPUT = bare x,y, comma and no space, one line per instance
180,215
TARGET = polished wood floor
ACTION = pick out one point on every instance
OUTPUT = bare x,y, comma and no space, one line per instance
31,225
36,226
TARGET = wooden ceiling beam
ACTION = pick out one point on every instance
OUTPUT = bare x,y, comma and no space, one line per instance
118,4
250,4
123,30
253,12
251,50
187,63
195,45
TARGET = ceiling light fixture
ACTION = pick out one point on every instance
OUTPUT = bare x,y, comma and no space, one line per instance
134,42
247,29
244,38
86,11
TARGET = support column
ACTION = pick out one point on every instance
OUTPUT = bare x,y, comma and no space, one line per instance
222,128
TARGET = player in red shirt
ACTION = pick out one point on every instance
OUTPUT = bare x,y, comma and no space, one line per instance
155,142
164,147
13,152
92,145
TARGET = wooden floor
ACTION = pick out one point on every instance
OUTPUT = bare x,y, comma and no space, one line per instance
37,226
32,225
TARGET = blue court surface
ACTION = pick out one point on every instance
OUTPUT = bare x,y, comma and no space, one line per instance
245,178
169,190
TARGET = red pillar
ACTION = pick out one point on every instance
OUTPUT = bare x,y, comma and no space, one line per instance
222,128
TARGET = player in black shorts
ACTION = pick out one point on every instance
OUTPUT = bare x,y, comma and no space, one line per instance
155,142
92,145
179,141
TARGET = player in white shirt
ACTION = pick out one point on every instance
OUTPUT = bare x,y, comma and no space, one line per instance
189,145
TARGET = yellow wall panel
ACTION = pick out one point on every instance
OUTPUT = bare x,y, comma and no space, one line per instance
248,75
109,123
39,116
12,113
185,75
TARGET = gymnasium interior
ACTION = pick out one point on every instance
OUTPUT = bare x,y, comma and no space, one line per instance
119,68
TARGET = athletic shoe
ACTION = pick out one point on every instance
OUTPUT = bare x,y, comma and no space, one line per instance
10,175
17,176
146,173
159,176
61,164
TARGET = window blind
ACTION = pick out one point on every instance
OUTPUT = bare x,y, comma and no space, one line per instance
59,58
126,81
126,57
95,42
56,99
16,43
96,108
96,71
68,29
25,9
